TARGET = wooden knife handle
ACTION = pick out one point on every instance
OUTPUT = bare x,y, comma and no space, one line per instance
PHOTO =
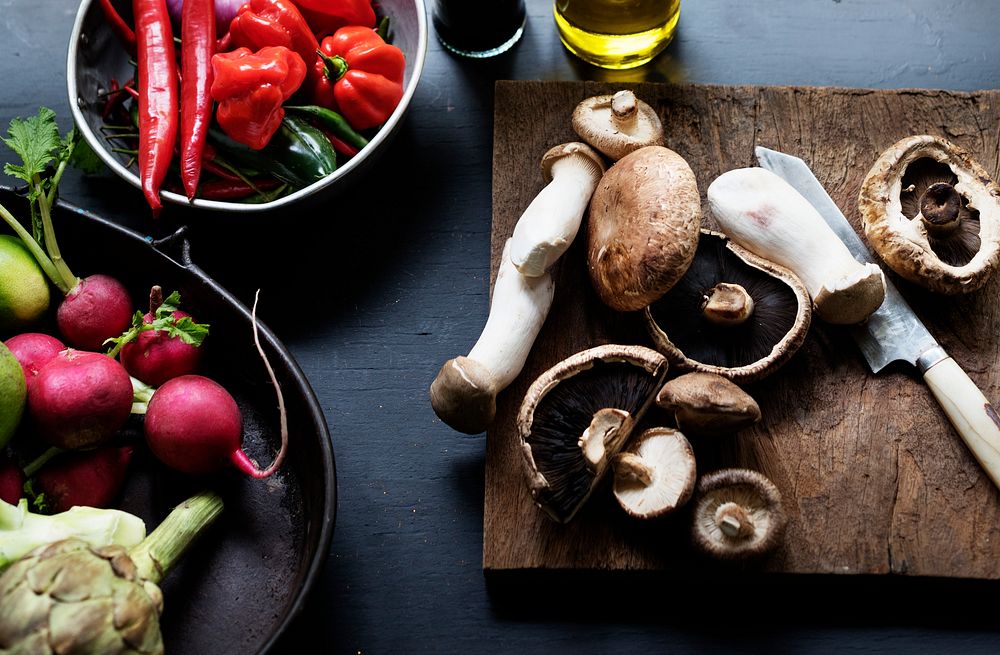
969,411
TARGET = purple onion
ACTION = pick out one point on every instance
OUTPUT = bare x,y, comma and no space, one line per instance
225,10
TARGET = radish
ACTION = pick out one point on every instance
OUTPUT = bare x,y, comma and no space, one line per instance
98,307
80,399
11,480
194,425
33,350
162,344
91,478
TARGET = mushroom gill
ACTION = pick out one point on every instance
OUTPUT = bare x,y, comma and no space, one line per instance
768,310
928,191
576,416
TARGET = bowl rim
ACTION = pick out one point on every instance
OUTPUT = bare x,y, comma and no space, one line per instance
387,129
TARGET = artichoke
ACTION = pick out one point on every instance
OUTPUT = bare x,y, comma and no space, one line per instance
70,598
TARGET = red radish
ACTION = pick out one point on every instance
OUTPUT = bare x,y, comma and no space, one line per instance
80,399
95,310
194,425
91,478
33,350
11,480
164,344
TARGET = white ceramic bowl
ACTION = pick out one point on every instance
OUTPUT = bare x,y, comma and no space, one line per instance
95,57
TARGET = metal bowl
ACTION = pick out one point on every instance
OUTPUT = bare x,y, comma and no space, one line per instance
95,57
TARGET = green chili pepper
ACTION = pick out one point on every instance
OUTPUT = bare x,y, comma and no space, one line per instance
332,121
298,153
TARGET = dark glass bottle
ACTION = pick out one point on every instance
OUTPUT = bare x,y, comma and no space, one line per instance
478,28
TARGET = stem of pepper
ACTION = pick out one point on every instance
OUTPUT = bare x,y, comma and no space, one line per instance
336,66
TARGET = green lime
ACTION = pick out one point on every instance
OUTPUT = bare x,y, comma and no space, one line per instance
24,290
13,391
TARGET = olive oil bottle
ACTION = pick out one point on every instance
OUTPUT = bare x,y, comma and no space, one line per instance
616,33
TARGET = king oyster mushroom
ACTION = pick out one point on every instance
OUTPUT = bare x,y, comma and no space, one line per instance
656,475
933,214
738,514
578,415
708,404
732,313
642,229
617,124
550,222
463,394
760,211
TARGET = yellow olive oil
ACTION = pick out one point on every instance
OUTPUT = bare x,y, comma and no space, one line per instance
616,34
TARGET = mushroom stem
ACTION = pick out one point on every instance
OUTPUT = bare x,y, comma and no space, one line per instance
631,467
940,209
734,521
550,222
625,111
464,392
727,304
763,213
608,427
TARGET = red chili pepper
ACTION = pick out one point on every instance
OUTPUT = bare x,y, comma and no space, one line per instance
325,17
262,23
367,75
119,26
157,67
251,87
234,189
197,48
341,146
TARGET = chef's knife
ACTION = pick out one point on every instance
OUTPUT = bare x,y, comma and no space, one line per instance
894,333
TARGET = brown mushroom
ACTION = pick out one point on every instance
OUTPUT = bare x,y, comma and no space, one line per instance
708,404
933,214
617,124
732,313
656,475
642,228
738,514
578,415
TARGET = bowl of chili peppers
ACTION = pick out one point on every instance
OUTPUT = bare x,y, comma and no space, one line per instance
242,105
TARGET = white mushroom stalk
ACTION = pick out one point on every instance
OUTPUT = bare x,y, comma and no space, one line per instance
761,212
464,392
551,221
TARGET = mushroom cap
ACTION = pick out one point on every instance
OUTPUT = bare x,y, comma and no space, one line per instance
707,403
738,514
642,229
750,350
463,395
617,124
959,262
571,149
656,475
578,415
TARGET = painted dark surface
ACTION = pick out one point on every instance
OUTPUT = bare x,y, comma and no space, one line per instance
373,292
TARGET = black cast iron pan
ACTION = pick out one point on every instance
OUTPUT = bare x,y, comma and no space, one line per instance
245,580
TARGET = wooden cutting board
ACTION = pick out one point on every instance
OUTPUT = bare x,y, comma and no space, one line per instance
874,477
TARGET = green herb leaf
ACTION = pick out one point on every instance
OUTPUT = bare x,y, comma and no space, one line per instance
36,141
82,157
184,329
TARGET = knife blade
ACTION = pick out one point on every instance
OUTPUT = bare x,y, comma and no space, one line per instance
894,333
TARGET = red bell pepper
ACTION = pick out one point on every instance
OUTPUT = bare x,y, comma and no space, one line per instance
328,16
263,23
365,72
250,89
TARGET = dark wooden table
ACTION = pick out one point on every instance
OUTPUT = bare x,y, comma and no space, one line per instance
374,292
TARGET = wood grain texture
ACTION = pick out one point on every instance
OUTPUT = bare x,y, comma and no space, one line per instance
875,478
